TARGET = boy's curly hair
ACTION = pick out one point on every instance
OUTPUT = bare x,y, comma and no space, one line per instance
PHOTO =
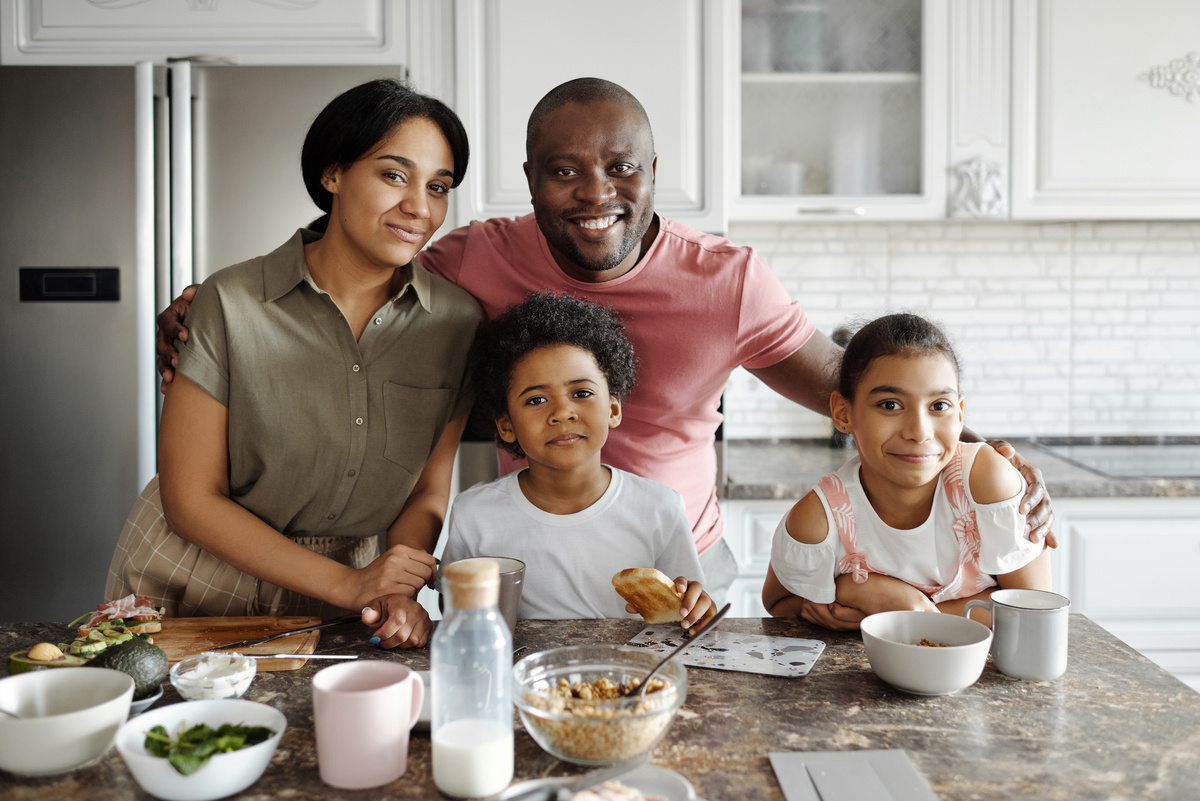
543,320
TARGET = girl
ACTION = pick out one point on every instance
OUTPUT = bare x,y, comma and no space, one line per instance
320,395
918,519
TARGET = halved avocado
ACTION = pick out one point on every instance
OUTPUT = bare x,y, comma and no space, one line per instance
21,663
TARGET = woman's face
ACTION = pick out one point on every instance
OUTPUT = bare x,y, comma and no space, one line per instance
389,202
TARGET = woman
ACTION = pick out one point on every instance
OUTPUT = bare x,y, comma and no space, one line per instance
321,394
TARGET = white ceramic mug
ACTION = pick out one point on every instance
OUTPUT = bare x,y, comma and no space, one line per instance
512,578
362,714
1029,628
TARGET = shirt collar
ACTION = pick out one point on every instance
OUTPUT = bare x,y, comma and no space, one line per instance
285,269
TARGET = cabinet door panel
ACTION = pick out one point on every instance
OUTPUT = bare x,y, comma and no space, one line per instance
666,53
1102,123
1136,568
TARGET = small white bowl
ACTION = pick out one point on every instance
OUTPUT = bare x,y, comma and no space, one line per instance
69,716
213,675
891,640
223,774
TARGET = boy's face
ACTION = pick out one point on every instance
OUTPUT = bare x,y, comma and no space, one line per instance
559,408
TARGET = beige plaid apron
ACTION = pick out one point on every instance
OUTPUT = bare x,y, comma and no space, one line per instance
153,561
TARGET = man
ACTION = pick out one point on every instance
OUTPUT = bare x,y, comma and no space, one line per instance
695,306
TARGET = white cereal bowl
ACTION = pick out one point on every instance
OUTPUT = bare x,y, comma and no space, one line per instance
69,717
223,774
891,640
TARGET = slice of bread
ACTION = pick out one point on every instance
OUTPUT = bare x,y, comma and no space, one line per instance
650,592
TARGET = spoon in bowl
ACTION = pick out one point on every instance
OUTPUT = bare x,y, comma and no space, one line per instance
694,635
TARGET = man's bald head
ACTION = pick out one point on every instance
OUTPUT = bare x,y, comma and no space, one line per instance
582,91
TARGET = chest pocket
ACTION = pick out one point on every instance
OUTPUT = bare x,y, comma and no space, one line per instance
414,418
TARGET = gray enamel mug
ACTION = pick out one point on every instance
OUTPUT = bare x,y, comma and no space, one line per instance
1029,632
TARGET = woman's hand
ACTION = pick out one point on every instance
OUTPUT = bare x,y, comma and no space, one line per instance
170,328
398,622
1036,506
400,570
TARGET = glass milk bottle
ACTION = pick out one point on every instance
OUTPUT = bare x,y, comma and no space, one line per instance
471,659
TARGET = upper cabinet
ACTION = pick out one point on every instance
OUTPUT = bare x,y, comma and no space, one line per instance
1106,109
839,109
669,53
84,32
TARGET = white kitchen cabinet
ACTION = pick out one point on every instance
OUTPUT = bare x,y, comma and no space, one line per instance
1106,109
1131,565
749,528
839,109
669,53
104,32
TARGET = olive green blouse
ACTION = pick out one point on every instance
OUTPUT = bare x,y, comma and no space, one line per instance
327,435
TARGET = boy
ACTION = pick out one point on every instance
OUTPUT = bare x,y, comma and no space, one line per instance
550,374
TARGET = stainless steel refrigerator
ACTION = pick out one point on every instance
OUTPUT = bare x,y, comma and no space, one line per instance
119,186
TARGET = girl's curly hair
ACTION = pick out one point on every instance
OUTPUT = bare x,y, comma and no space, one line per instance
543,320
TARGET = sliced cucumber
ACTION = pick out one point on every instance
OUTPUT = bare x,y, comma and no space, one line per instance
87,648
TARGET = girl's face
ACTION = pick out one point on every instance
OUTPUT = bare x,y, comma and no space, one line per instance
906,418
389,202
559,408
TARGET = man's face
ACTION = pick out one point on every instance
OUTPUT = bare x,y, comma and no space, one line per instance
591,178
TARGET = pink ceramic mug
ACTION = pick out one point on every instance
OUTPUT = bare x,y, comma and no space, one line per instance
362,713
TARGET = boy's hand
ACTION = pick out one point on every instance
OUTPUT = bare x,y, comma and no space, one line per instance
697,607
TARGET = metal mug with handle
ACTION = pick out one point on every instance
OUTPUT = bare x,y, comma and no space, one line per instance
1029,628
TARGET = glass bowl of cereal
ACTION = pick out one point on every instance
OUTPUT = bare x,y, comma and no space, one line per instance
570,701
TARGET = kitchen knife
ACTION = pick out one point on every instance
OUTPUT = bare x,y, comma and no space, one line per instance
301,656
563,789
337,621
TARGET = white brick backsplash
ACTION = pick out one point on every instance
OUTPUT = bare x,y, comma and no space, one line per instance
1064,329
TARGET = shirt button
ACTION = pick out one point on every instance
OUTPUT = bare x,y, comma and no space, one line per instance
351,474
355,368
331,517
358,421
378,321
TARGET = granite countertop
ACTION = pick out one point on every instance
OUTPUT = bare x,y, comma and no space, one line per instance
1115,726
1112,468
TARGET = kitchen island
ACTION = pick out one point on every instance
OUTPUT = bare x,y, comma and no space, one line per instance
1115,726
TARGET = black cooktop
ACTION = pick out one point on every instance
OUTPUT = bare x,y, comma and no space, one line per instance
1133,461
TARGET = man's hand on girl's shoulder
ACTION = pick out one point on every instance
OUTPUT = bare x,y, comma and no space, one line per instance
1036,505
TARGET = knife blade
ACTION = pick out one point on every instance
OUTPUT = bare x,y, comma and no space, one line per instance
337,621
560,790
301,656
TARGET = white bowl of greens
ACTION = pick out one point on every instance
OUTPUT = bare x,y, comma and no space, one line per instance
173,758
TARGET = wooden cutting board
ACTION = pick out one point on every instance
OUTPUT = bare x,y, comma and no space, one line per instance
182,637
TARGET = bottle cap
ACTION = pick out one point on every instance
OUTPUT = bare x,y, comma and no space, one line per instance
473,583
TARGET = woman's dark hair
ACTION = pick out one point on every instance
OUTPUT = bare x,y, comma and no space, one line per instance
356,121
544,320
899,334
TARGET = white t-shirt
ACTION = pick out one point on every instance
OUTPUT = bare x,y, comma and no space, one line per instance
570,559
927,554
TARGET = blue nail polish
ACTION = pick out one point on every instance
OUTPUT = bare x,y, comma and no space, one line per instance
374,641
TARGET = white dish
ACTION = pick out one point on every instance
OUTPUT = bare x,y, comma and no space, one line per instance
223,774
137,707
69,717
652,780
426,714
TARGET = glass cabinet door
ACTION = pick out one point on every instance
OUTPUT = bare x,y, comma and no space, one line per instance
841,109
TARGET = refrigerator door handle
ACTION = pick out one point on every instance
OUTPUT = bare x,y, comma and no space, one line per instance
181,175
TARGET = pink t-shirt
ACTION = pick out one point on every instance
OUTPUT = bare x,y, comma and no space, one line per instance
695,307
